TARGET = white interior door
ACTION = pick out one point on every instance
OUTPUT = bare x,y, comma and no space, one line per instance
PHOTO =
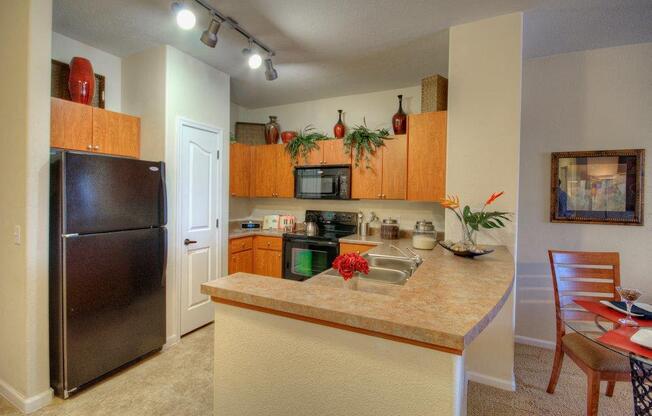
198,188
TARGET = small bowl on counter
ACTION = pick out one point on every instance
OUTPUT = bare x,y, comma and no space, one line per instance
464,250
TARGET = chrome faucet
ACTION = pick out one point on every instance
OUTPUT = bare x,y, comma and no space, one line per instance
414,256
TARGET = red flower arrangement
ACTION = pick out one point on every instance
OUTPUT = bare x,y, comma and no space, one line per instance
348,264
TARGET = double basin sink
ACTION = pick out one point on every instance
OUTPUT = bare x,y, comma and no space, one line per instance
386,269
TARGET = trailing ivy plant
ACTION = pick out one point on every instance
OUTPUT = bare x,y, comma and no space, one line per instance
364,142
304,142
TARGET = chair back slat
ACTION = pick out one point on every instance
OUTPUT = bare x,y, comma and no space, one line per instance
582,276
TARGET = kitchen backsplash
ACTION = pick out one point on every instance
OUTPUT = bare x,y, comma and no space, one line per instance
407,212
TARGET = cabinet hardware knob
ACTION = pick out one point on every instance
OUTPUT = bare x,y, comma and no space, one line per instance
380,195
96,147
233,194
89,147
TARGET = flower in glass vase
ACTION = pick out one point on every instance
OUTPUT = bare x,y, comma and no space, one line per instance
471,222
349,266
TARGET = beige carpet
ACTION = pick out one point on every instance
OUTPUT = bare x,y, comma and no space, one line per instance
179,382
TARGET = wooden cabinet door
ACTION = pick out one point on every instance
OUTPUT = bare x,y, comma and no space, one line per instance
239,169
426,176
115,133
395,167
315,157
71,125
284,178
334,153
366,183
346,248
242,261
267,263
264,170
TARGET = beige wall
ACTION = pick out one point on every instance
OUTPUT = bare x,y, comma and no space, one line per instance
377,107
592,100
24,164
161,85
484,124
65,48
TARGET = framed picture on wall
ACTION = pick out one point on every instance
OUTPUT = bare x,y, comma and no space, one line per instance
598,187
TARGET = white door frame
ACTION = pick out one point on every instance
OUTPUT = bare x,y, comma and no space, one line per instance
178,247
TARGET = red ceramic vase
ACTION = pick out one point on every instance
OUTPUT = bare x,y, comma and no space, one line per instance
339,128
399,121
287,136
81,82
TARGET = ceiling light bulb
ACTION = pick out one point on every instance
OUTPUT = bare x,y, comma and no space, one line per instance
255,60
186,19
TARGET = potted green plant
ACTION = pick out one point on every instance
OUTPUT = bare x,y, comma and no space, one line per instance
304,142
364,142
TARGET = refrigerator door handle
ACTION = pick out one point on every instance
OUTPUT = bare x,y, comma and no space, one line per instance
164,197
164,260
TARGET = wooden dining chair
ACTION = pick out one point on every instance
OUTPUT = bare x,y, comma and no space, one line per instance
589,276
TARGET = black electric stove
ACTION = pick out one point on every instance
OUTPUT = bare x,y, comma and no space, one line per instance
307,255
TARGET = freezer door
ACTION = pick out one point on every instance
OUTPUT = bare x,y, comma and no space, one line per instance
105,193
114,301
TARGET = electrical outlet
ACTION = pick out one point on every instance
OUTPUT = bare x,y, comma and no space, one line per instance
17,238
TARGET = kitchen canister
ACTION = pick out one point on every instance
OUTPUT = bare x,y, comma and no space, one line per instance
424,236
389,229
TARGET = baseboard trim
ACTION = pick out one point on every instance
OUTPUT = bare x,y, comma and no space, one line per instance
499,383
170,341
22,403
535,342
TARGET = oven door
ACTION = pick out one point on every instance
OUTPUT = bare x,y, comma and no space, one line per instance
303,259
321,183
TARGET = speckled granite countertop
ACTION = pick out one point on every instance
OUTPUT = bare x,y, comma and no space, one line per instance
246,233
446,303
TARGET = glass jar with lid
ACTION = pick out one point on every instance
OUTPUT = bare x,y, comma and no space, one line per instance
389,229
424,236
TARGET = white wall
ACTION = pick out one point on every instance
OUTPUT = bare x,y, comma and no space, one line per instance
377,107
484,119
65,48
180,87
25,29
592,100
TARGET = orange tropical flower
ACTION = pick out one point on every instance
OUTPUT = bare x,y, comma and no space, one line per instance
451,202
493,197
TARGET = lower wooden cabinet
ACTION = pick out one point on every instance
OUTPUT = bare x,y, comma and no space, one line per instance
346,248
259,255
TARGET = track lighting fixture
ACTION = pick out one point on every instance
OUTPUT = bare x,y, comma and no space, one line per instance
270,72
209,37
185,17
186,20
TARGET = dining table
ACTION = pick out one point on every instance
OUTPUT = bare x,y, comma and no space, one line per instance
605,331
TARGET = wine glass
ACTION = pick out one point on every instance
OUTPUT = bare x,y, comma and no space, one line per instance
630,296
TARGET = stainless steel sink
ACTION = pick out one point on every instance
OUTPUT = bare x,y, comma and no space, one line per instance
381,274
394,263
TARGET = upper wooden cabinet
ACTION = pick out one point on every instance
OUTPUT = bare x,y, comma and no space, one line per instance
76,126
386,176
71,125
426,156
273,172
330,152
116,133
240,170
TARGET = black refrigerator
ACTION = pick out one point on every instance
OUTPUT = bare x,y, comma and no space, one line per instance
108,250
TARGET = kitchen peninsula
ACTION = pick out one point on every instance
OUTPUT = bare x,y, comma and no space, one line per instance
286,347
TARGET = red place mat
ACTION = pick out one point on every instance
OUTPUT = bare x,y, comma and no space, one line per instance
608,313
620,338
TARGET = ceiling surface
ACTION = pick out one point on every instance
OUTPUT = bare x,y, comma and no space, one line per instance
327,48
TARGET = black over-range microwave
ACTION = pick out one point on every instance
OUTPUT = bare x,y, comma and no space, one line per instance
323,182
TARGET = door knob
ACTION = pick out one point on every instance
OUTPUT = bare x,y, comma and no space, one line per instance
188,242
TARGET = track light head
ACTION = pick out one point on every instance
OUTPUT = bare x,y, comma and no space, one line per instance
270,72
254,60
185,17
209,37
